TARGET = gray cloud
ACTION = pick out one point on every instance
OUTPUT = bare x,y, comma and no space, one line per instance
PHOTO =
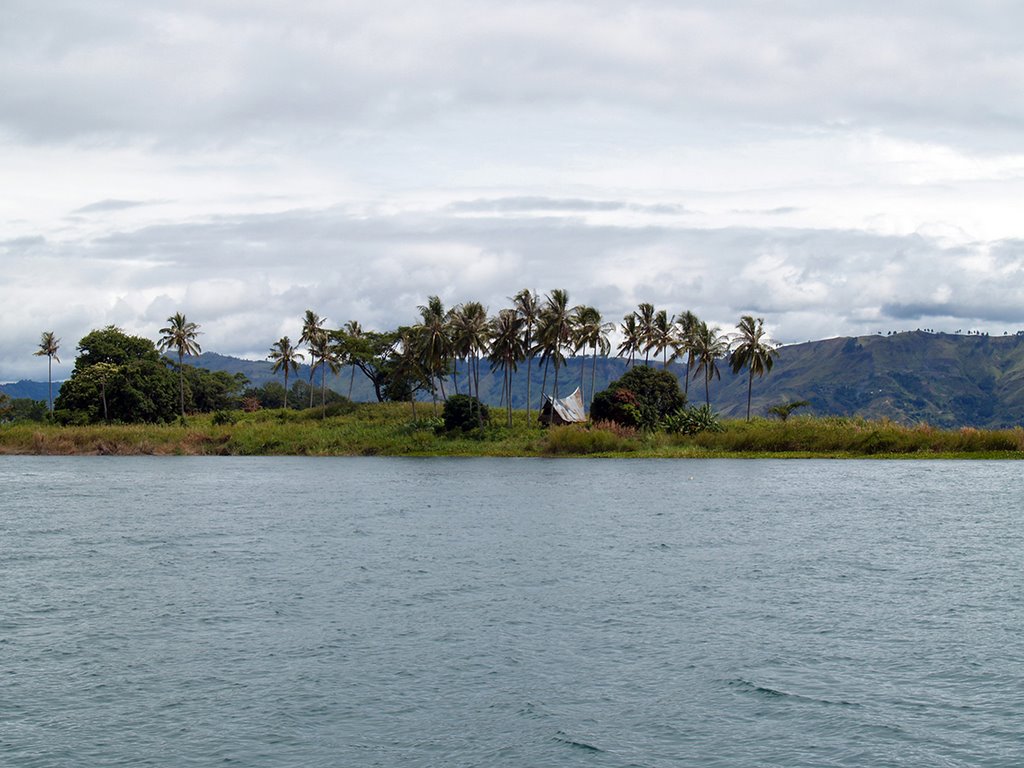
103,206
247,279
559,205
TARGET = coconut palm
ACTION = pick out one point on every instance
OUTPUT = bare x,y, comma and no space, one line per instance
180,335
526,304
432,335
751,351
662,336
469,338
645,327
312,330
49,344
508,348
630,343
554,332
325,353
709,347
591,332
686,325
284,355
352,330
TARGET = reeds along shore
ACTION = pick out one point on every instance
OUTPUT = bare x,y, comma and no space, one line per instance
390,430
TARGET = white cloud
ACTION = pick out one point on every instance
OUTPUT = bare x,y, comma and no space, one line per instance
831,166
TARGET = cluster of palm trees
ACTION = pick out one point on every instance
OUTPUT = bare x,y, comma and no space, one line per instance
430,352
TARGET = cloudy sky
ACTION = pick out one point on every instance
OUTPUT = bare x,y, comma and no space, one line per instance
837,168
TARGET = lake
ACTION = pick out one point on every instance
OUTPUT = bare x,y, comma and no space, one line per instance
510,612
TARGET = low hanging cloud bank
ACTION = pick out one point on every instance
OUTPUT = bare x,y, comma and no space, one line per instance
247,279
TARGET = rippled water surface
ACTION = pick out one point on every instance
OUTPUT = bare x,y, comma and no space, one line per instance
422,612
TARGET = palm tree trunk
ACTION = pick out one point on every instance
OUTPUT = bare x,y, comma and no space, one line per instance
707,388
593,376
750,389
351,381
181,381
286,385
529,365
49,376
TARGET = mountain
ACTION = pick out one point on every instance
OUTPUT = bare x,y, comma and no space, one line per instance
946,380
33,390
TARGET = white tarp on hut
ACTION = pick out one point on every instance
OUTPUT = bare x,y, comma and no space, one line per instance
568,410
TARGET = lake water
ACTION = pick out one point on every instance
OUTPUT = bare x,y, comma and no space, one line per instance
435,612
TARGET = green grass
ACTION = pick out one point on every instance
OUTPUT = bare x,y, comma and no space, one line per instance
390,430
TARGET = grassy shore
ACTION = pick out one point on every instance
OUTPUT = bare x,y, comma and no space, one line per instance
390,430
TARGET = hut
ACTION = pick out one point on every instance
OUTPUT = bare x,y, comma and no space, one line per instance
567,410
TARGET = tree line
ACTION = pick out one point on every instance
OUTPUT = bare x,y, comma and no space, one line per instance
431,355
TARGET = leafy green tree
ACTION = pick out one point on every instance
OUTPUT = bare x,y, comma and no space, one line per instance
641,397
22,409
464,413
285,356
374,353
135,384
180,335
751,351
214,390
709,346
783,410
49,345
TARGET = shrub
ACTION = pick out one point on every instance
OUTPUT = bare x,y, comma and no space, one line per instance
222,418
692,421
464,413
578,440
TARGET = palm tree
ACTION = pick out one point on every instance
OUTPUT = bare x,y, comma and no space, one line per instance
709,346
752,352
285,356
49,344
592,333
525,303
661,336
687,324
645,326
352,330
326,354
555,331
630,343
432,333
180,335
469,338
508,348
312,330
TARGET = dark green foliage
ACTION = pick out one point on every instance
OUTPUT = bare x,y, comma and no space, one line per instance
214,390
618,405
692,421
221,418
22,409
119,378
464,413
642,397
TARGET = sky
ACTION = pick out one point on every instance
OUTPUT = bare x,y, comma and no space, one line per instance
836,168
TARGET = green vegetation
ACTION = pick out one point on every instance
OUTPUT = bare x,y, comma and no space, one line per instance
643,397
389,429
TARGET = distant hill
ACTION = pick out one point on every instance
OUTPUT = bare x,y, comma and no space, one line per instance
33,390
946,380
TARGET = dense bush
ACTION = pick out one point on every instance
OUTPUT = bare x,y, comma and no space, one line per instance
463,413
642,397
692,421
